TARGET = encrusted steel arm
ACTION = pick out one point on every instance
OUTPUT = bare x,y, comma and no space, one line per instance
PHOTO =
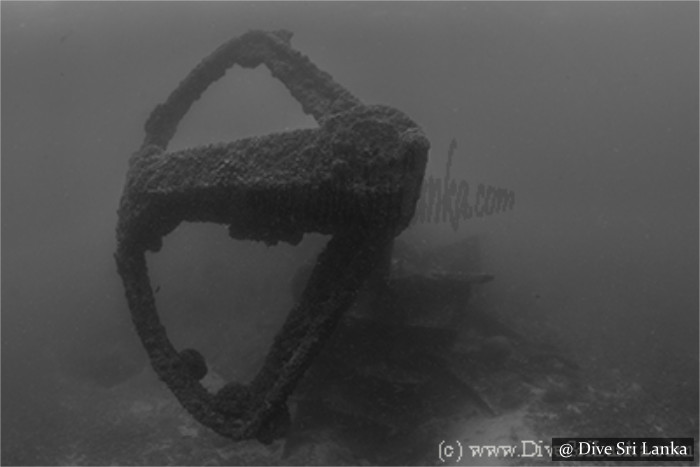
357,177
314,89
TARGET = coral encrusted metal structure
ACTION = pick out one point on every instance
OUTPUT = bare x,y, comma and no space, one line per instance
356,177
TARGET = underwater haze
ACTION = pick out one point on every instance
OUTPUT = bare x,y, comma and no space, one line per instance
583,114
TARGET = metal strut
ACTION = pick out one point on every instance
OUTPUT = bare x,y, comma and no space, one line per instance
356,177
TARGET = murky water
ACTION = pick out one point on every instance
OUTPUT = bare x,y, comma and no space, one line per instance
581,117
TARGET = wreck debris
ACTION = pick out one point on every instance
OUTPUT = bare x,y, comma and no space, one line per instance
356,177
392,366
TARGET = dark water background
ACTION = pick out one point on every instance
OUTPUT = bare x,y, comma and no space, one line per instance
588,112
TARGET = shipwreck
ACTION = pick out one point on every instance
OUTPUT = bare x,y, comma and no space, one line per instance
356,178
